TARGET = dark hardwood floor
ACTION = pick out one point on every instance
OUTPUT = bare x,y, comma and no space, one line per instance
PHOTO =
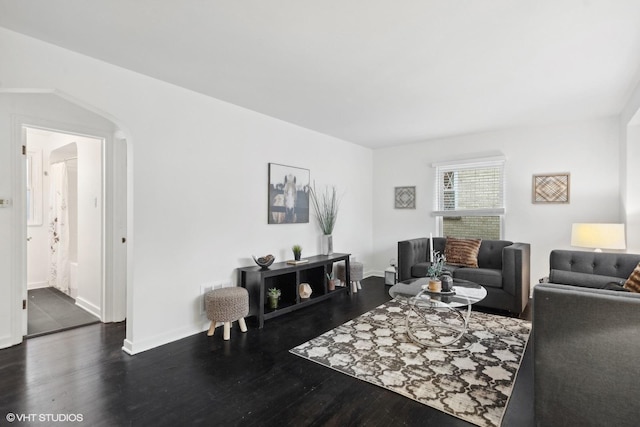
251,380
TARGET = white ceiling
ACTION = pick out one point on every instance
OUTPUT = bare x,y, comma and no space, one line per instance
374,72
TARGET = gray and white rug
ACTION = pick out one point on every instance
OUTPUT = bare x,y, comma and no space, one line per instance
473,384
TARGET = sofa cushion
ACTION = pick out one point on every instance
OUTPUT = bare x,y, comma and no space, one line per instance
633,282
490,253
619,265
586,280
462,252
488,277
420,269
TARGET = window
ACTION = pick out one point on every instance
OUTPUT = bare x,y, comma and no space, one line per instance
470,198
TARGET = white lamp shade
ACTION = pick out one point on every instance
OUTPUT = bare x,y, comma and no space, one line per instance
599,236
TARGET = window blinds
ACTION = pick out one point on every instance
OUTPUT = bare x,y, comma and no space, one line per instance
472,188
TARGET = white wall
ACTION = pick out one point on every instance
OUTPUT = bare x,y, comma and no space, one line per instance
199,183
629,172
588,150
90,210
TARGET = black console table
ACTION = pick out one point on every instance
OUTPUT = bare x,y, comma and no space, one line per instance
287,277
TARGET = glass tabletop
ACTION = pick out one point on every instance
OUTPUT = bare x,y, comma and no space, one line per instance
464,292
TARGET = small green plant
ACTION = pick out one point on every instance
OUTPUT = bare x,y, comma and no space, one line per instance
435,269
297,251
274,293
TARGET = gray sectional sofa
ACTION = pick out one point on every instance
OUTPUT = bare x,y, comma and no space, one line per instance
586,342
503,269
590,269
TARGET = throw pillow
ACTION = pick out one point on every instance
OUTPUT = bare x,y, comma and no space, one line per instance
462,252
633,282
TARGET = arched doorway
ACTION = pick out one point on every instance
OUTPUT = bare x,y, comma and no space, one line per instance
52,111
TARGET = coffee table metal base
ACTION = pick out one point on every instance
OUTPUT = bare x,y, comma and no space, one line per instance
433,318
427,329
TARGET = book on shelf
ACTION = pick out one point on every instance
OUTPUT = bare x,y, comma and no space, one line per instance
296,262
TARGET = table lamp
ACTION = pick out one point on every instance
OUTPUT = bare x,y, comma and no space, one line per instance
598,236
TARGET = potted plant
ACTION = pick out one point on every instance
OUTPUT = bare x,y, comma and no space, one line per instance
297,251
273,295
435,270
332,282
325,205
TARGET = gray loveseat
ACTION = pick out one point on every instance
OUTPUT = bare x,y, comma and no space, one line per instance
503,269
590,269
586,343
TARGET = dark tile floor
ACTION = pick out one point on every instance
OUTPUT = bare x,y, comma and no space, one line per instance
51,310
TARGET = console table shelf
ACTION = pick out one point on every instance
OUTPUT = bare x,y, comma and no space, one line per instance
287,277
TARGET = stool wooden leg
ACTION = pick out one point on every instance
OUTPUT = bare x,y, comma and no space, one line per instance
212,328
359,285
227,331
243,325
354,287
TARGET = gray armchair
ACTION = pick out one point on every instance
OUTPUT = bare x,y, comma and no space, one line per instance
586,343
503,269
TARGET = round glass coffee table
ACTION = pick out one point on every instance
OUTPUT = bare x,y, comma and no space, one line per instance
433,318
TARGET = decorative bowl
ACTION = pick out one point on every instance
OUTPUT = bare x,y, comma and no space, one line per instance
264,261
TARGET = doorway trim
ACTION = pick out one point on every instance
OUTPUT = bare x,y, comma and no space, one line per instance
114,304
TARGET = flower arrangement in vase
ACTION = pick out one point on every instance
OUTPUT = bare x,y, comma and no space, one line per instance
435,271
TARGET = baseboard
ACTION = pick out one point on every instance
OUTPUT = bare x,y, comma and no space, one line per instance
7,341
127,347
89,307
37,285
138,346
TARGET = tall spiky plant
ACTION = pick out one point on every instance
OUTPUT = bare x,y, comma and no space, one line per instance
326,206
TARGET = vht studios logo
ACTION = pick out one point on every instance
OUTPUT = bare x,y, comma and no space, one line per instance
45,418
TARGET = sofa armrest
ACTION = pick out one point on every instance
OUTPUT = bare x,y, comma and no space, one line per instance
585,347
516,273
411,252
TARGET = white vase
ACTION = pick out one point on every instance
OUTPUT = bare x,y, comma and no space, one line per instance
327,244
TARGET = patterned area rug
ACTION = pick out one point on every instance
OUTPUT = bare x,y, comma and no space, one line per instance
472,384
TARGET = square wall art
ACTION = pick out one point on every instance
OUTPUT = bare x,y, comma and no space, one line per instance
551,188
405,197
